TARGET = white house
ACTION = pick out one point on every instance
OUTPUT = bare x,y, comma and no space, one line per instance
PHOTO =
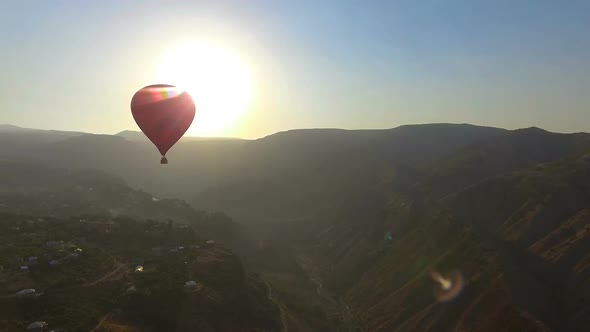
38,327
27,291
190,284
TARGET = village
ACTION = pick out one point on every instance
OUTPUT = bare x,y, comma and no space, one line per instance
83,257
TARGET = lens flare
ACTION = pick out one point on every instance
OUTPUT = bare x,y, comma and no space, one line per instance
448,286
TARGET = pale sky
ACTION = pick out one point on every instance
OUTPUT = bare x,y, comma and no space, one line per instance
74,65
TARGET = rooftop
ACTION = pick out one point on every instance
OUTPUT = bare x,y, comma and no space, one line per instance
37,325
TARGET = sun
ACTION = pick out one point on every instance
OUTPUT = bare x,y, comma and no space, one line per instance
219,82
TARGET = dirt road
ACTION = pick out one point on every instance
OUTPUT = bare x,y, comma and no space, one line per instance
119,269
271,297
102,320
343,309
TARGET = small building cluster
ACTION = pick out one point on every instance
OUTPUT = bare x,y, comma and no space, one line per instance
191,284
28,292
38,327
57,253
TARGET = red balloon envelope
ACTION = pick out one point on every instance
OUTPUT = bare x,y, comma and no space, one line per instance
164,113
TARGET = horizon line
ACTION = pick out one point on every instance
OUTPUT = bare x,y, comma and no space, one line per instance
296,129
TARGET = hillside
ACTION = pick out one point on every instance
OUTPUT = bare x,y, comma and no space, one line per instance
101,229
6,128
346,227
89,279
544,215
212,174
193,165
138,136
518,149
302,173
31,188
519,239
433,209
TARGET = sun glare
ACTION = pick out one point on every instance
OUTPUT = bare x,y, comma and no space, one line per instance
219,82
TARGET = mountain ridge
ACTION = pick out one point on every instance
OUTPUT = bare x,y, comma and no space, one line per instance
138,136
356,219
7,127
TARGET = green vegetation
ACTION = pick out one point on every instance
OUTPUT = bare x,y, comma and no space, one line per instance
101,278
508,209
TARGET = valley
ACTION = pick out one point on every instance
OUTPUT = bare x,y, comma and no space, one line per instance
336,230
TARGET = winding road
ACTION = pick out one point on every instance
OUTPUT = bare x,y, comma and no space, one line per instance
273,299
114,274
102,320
119,269
342,308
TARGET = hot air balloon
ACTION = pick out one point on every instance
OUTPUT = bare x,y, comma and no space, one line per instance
163,113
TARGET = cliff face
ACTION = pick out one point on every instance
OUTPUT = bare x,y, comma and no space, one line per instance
516,229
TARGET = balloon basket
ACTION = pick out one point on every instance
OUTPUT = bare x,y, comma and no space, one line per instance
164,161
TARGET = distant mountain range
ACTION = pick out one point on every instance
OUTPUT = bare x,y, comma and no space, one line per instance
31,188
6,128
508,208
510,213
130,135
137,136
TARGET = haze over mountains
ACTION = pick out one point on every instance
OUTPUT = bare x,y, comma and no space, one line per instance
509,209
138,136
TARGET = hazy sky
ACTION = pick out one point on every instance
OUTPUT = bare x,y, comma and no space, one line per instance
74,65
